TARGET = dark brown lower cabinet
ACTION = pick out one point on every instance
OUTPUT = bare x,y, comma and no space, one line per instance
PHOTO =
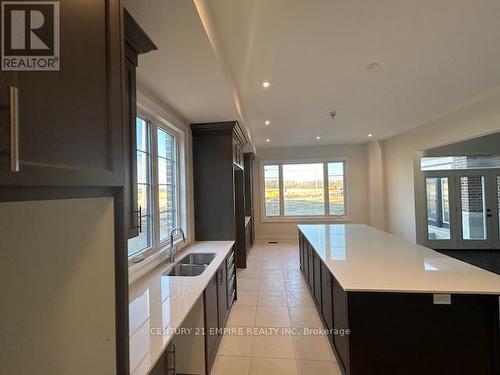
219,296
212,339
326,299
305,263
340,322
166,363
301,255
222,294
317,279
231,279
310,266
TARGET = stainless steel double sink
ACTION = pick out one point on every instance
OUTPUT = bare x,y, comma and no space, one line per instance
191,265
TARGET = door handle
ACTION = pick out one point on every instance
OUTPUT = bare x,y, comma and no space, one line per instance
14,128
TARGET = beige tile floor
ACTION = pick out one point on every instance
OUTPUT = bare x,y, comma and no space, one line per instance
273,293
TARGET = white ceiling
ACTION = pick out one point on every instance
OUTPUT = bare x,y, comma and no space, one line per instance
184,72
434,57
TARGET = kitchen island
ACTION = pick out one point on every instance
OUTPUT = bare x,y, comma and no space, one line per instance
394,307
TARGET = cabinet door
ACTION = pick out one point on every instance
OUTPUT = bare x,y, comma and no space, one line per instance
211,323
317,279
222,294
166,363
301,259
326,298
170,359
305,263
340,321
129,152
70,121
310,267
161,366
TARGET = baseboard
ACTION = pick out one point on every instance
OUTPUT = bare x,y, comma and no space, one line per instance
277,237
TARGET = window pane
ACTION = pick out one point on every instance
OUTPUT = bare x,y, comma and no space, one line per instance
272,190
144,240
303,189
166,183
142,131
166,197
473,209
165,171
438,208
165,144
143,198
143,167
167,222
336,188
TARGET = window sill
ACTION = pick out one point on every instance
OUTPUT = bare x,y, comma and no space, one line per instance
305,219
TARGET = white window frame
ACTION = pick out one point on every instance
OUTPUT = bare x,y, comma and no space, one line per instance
144,261
303,218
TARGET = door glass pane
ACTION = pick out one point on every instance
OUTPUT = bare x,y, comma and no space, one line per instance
303,189
272,190
473,208
336,188
438,208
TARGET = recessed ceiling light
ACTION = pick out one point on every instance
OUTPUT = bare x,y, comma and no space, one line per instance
318,137
372,66
267,122
268,140
370,135
266,84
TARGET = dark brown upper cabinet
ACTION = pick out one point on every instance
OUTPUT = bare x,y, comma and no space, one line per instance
136,43
64,128
219,184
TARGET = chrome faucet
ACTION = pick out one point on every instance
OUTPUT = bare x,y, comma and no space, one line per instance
173,249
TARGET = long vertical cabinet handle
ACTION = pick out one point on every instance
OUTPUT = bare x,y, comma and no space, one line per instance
14,129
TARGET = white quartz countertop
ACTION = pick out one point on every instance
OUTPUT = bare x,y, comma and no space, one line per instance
363,258
160,303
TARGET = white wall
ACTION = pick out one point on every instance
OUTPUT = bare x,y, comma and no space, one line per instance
375,185
356,184
57,314
479,118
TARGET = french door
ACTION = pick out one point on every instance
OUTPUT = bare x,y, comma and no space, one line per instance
463,209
